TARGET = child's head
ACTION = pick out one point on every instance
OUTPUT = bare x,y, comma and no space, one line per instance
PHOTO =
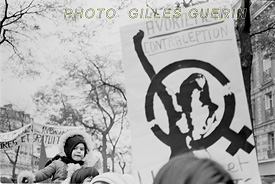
83,175
189,169
75,147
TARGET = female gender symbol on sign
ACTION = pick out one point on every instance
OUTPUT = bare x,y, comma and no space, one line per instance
193,90
222,130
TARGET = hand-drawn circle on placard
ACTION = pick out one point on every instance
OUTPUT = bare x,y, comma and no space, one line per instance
229,100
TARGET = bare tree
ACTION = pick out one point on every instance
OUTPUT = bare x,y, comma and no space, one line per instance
20,23
100,99
246,55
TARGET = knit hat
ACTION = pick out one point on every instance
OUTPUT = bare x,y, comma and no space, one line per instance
71,142
89,159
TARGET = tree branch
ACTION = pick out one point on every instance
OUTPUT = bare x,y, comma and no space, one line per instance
21,12
15,50
154,11
5,16
116,88
94,127
16,32
4,36
106,83
185,5
262,31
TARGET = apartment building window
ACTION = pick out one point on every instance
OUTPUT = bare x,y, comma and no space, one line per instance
266,69
271,145
271,141
268,106
255,139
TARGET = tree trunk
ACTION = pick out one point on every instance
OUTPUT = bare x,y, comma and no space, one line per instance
14,163
104,152
246,55
113,159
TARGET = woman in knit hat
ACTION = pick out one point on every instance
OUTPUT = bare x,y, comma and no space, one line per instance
188,169
75,151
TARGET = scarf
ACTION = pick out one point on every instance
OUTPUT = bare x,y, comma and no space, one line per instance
71,161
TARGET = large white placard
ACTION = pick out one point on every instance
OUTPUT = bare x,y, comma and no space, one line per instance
186,93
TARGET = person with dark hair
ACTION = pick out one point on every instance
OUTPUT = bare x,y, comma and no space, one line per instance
83,175
75,150
197,109
188,169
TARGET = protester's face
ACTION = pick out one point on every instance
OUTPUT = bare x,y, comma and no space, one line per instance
78,152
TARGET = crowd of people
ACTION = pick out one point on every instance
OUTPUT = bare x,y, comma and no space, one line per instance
74,164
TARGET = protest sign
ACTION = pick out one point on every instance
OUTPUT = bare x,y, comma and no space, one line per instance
186,93
51,133
32,134
9,140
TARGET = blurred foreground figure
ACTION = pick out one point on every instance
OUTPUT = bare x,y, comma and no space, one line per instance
188,169
113,178
83,175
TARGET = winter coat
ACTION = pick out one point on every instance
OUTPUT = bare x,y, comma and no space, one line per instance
57,171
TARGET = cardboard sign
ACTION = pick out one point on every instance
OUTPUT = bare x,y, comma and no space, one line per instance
186,93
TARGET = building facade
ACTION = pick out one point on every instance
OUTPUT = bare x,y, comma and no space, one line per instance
263,99
10,120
